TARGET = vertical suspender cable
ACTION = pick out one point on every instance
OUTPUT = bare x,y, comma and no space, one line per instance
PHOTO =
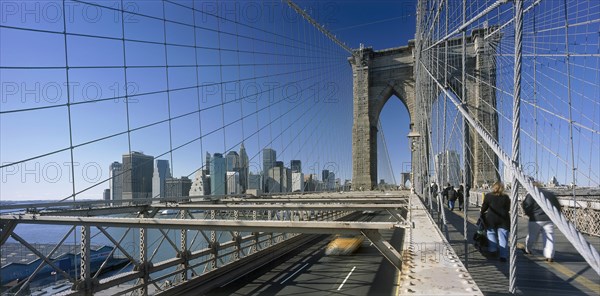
69,117
168,90
465,128
569,95
202,164
518,5
535,102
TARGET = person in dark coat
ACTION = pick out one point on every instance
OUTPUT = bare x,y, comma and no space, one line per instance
461,197
539,222
449,195
495,212
433,189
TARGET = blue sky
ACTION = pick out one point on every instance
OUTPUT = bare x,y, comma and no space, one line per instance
295,87
269,79
278,55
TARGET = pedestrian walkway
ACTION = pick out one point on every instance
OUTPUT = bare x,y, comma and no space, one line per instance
568,275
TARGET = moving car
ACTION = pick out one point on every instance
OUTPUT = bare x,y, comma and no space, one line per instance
344,244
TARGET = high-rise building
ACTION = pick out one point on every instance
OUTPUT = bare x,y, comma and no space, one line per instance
273,183
244,168
279,179
296,166
218,175
325,176
200,184
233,161
330,184
310,182
207,164
233,183
269,158
106,194
177,187
297,182
115,184
161,173
254,181
138,169
286,180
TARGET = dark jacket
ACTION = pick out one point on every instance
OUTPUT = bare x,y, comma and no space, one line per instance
449,193
534,211
495,211
461,195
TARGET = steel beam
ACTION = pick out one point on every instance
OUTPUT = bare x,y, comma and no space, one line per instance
290,206
7,229
101,207
387,250
215,225
398,216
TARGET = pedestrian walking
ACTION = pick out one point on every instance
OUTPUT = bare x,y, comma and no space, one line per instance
540,223
450,196
495,212
461,197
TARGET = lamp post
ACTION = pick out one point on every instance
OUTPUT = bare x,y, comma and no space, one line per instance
413,137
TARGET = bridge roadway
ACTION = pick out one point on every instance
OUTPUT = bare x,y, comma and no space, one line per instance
309,271
430,267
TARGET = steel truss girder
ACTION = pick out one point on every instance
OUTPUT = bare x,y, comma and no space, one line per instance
231,206
323,227
7,229
387,250
132,204
324,207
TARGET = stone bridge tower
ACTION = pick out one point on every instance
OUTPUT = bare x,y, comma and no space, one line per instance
379,75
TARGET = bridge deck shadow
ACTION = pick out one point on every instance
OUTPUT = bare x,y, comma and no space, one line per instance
568,275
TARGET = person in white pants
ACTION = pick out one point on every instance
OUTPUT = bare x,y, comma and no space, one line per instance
546,228
540,223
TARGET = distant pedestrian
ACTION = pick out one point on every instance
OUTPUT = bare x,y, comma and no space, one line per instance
450,196
539,222
468,191
495,212
461,197
433,189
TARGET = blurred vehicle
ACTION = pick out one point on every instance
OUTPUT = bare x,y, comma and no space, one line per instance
344,244
169,212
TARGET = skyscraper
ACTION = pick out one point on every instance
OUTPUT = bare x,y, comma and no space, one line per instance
296,166
273,182
161,173
269,158
233,183
218,174
330,181
310,182
244,168
106,194
115,184
138,169
325,176
254,181
286,180
177,187
207,164
233,161
297,182
200,184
